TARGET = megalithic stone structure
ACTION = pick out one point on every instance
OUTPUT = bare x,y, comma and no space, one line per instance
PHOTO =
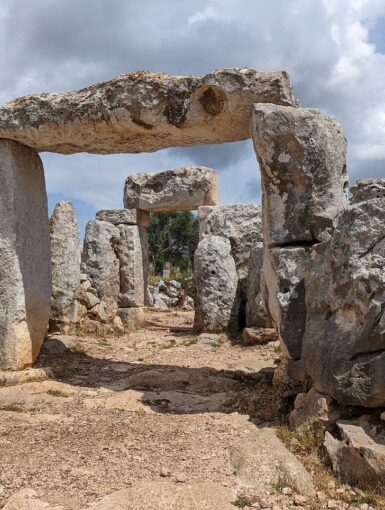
25,256
302,158
144,112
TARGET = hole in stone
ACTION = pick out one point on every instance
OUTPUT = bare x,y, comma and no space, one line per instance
213,100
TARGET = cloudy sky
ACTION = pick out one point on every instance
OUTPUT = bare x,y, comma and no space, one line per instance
334,51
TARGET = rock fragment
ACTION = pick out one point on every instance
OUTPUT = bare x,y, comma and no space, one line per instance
124,216
357,458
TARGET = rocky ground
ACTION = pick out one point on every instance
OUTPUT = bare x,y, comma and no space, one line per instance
144,421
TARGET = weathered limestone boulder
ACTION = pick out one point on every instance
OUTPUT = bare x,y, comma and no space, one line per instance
301,153
241,224
365,189
283,274
260,460
144,112
132,252
313,408
132,318
357,458
65,253
100,261
181,189
256,311
124,216
25,256
216,281
343,348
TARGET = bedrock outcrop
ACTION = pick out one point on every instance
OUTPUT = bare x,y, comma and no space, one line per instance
144,112
179,189
343,347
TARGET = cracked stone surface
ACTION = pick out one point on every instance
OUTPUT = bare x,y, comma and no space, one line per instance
144,112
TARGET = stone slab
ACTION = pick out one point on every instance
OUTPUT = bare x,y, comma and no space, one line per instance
144,112
124,216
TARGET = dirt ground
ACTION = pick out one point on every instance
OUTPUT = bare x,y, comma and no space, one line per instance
159,403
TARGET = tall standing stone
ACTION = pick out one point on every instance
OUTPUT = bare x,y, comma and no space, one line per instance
66,253
216,281
25,257
302,158
132,252
100,261
256,312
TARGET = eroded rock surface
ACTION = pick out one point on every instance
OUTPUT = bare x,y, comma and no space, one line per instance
357,458
261,459
343,347
216,281
25,256
124,216
180,189
240,223
302,157
144,112
256,310
65,252
132,252
100,261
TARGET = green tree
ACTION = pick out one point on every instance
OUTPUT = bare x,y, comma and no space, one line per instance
173,238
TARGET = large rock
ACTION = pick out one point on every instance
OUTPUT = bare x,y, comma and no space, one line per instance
343,347
357,458
168,495
261,460
144,112
239,223
216,281
256,309
66,254
100,261
124,216
283,275
132,252
182,189
27,499
25,256
301,153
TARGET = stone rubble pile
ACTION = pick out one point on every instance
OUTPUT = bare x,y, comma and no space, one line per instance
168,294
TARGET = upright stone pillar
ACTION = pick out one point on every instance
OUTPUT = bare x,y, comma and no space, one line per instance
301,153
65,248
25,256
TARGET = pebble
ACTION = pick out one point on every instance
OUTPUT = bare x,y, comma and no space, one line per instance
181,478
287,491
332,503
300,500
164,472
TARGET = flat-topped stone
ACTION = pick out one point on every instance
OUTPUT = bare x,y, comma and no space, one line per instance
124,216
144,112
180,189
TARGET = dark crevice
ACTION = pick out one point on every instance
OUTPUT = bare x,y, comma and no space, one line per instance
302,243
367,355
371,247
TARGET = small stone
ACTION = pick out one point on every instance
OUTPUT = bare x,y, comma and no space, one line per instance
181,478
287,491
300,500
332,503
164,472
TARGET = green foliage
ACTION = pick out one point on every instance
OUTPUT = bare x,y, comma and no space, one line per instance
173,238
